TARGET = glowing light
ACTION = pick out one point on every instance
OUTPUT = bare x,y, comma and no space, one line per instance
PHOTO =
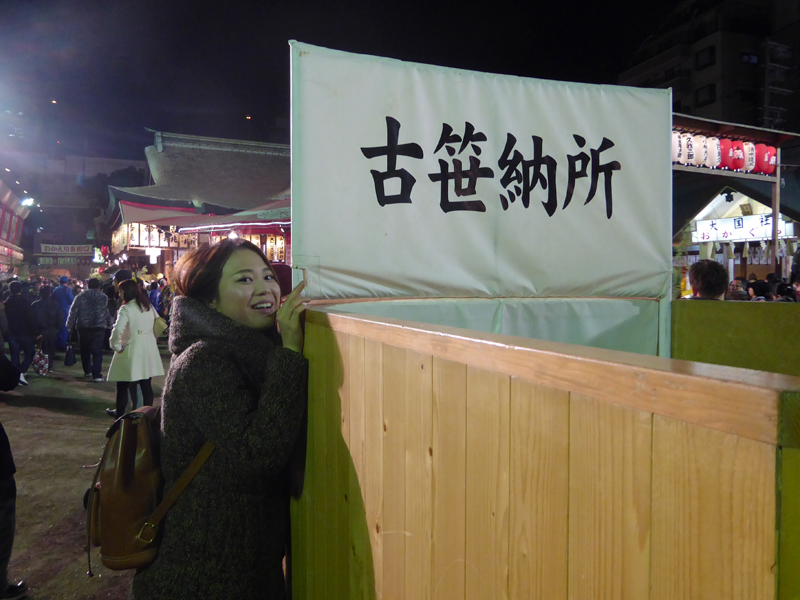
247,117
53,101
7,169
27,202
233,235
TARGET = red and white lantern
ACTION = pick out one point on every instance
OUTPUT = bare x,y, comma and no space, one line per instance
772,159
687,149
700,150
737,153
725,154
761,158
676,146
749,157
714,153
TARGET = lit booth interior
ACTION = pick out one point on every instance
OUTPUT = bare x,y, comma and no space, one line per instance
490,413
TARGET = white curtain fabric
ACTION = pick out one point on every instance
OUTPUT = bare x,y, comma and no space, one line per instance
612,324
345,109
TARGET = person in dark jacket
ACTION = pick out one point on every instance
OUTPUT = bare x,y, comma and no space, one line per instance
8,506
49,317
64,296
89,312
155,297
22,329
236,381
3,328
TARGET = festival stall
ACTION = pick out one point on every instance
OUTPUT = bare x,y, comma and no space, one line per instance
204,189
484,419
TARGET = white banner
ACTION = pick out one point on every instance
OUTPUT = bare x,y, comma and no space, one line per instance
752,228
414,180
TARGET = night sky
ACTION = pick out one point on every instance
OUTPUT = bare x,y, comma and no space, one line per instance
199,67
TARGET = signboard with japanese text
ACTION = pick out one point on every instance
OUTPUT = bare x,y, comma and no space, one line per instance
752,228
74,249
415,180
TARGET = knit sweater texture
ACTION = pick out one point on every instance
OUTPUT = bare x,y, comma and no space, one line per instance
90,309
225,536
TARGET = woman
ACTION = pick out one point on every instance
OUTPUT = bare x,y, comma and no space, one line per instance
240,382
136,358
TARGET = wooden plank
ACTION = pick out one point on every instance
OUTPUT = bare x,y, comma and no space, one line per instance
738,401
373,427
449,478
321,573
539,475
393,533
487,484
609,500
301,528
362,576
789,524
713,514
419,467
307,578
337,388
789,419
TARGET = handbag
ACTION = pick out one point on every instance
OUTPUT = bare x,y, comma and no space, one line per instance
69,357
41,362
159,326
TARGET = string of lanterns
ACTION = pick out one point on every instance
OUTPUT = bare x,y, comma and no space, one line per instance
723,153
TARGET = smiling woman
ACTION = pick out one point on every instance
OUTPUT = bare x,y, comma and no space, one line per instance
237,378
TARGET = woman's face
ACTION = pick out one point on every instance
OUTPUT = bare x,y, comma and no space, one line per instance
248,291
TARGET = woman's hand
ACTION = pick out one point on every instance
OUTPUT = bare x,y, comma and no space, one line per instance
288,317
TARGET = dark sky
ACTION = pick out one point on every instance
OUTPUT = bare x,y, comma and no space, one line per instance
198,67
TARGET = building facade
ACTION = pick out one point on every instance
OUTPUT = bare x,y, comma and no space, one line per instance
729,60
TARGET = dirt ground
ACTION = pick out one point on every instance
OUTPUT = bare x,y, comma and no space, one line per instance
56,427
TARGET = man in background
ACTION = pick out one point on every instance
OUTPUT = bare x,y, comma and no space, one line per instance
22,329
64,296
90,313
709,280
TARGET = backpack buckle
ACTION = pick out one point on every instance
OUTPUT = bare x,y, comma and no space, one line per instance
152,532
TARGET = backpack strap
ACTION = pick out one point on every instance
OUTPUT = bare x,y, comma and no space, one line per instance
150,528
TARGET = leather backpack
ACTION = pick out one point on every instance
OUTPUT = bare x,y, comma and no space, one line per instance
124,506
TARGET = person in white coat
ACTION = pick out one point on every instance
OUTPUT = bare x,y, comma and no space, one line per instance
136,358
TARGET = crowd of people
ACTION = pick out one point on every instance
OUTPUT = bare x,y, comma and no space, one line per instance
45,314
710,281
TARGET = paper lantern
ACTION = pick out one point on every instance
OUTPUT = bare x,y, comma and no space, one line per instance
725,153
714,156
700,150
749,156
687,149
737,155
676,146
772,159
761,158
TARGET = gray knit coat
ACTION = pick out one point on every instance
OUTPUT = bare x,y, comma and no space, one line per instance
225,536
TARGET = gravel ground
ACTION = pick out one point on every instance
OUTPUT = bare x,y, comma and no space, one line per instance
56,426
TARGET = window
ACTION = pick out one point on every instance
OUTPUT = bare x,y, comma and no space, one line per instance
705,95
751,58
706,57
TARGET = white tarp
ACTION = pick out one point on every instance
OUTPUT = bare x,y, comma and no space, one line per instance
612,324
415,180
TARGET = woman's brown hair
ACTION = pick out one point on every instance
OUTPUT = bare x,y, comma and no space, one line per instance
199,271
130,290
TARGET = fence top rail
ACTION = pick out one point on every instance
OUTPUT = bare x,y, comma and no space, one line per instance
753,404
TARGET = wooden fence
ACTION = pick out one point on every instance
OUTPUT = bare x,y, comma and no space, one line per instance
446,464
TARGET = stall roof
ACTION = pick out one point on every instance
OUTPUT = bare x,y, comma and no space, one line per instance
210,175
693,189
277,210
